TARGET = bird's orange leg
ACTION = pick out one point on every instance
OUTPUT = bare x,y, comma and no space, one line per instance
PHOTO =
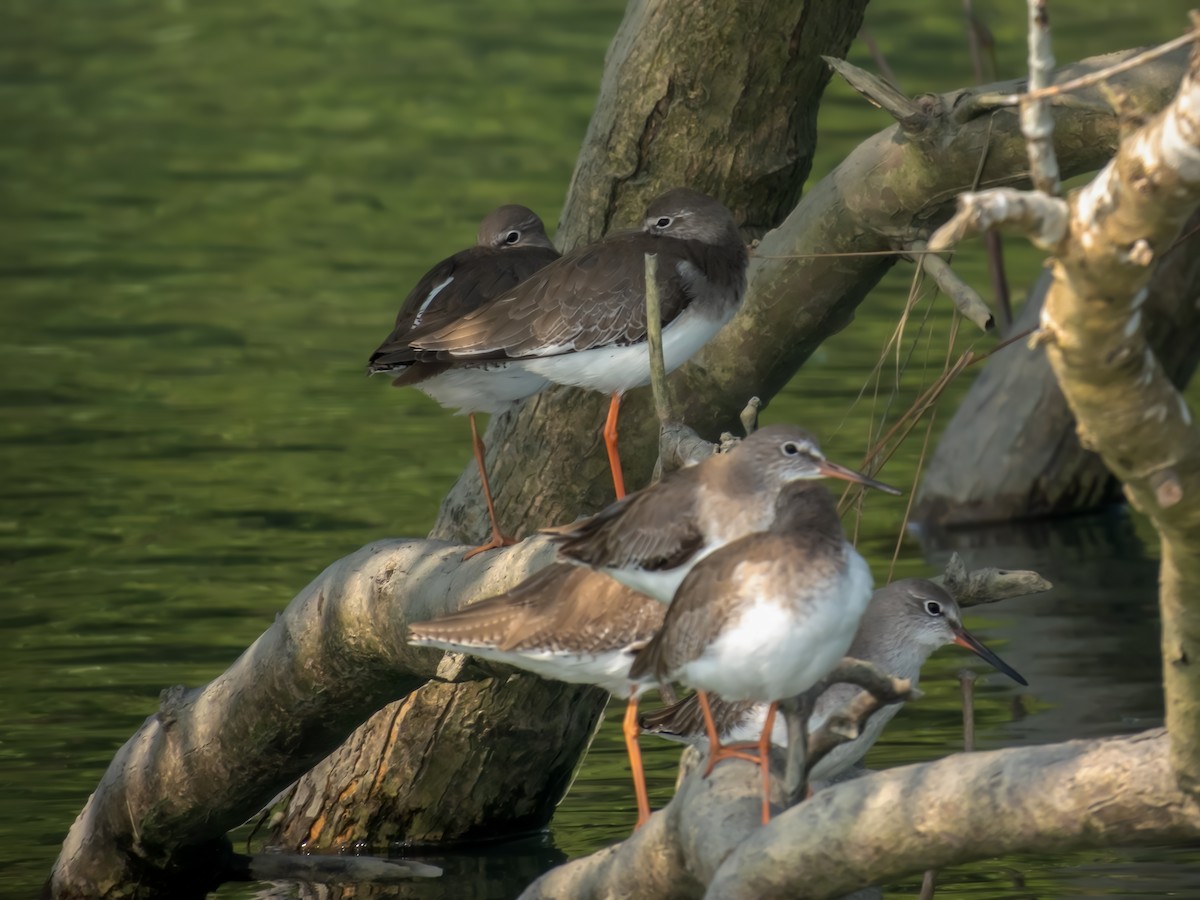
630,727
610,443
499,539
717,752
764,760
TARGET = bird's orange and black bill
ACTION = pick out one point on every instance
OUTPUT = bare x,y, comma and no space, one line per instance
964,638
833,470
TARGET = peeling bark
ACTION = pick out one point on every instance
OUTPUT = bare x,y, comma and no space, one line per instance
1125,406
1011,452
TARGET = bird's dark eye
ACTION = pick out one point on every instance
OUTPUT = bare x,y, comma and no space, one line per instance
512,237
790,449
663,221
933,607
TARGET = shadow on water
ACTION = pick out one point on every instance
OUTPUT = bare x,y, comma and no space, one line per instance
492,871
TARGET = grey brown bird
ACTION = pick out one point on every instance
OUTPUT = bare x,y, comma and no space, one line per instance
581,321
765,617
905,622
651,539
564,623
510,246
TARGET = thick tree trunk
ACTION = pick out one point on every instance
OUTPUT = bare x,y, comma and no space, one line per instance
1126,406
156,824
1011,451
722,97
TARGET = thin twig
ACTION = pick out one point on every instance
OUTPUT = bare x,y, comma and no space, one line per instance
658,367
1093,78
964,297
1037,121
967,679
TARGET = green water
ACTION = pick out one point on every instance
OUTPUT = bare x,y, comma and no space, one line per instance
208,215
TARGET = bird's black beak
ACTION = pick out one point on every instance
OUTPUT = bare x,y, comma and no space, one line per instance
964,638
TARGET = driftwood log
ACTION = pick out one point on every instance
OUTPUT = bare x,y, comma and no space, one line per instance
709,841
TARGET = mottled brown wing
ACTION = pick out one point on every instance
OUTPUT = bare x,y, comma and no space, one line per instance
590,298
493,620
470,279
561,607
593,613
654,529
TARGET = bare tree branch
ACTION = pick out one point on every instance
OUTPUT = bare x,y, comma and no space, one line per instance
708,841
1125,404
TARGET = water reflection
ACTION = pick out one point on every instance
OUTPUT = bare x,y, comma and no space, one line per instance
492,871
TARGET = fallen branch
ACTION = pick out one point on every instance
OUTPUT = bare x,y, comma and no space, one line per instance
988,585
708,841
213,756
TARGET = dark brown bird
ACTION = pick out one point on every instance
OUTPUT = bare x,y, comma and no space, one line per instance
510,246
581,321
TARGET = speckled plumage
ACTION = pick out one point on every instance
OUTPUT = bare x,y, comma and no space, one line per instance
563,622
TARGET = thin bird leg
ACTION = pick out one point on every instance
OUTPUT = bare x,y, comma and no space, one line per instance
764,756
630,727
610,443
717,752
499,539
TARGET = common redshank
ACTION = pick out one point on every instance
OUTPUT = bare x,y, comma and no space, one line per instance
652,538
905,622
510,246
581,321
765,617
